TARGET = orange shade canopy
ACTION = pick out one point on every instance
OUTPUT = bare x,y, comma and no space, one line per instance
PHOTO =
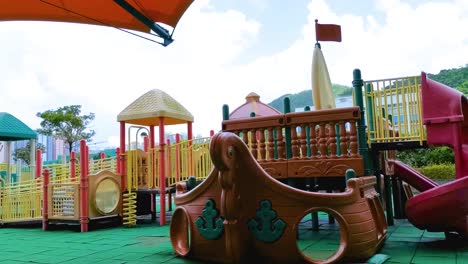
97,12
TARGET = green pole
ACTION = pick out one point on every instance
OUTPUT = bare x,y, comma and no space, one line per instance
349,174
370,112
361,127
287,132
309,152
225,112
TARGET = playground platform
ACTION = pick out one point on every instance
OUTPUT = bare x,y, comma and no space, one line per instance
150,243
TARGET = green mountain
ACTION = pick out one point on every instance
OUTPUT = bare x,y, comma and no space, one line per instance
304,98
456,78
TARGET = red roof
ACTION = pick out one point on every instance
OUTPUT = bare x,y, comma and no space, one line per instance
98,12
254,105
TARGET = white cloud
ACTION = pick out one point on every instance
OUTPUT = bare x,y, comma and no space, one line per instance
47,65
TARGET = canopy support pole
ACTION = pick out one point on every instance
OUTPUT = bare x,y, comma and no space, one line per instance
162,32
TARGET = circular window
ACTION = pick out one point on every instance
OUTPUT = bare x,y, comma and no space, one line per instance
320,237
107,196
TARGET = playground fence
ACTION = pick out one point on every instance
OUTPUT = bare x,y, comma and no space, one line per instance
394,105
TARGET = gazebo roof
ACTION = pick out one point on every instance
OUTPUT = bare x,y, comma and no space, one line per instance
147,109
254,105
12,129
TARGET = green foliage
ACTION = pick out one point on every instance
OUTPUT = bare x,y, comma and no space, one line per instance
24,154
439,171
452,77
304,98
463,87
67,124
424,157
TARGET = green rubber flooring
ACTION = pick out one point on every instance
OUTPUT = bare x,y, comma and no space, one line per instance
149,243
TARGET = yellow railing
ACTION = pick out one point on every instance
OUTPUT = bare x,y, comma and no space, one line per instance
393,110
184,159
64,200
17,172
59,172
21,201
188,158
102,164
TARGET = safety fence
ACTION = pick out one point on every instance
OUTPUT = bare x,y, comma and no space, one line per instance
181,160
305,144
394,105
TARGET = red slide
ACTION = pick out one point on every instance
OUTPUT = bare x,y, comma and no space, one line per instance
437,208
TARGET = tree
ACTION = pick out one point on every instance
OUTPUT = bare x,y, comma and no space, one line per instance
67,124
463,87
24,154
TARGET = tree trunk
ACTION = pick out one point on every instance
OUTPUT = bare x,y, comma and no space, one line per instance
70,144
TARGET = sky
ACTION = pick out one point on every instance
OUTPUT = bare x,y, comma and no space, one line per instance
223,50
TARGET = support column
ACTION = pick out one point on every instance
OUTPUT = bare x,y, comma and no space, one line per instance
45,209
83,187
121,157
362,139
72,166
38,163
32,159
152,136
162,176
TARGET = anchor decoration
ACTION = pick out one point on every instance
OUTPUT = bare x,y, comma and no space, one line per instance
208,226
265,229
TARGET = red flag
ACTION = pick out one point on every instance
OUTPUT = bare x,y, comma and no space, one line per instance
327,32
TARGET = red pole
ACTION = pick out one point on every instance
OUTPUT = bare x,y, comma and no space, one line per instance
72,165
177,159
122,156
117,160
162,176
169,159
83,188
87,158
102,155
45,207
152,137
145,144
38,163
151,142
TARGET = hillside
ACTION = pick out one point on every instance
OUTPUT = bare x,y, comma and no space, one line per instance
457,78
304,98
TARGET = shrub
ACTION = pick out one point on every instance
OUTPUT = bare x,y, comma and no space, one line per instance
424,157
439,171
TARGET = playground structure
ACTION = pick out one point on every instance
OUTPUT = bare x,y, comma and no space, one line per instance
316,147
111,189
240,212
323,145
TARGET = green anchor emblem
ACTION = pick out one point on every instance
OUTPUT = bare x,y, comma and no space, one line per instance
207,227
263,229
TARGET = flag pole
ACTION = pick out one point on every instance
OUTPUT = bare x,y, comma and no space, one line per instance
317,44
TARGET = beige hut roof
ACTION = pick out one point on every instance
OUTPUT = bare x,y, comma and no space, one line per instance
147,109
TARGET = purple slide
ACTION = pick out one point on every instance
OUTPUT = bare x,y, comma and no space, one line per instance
437,208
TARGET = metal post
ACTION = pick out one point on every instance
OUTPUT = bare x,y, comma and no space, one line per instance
83,188
162,176
362,141
72,166
45,209
121,157
225,112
